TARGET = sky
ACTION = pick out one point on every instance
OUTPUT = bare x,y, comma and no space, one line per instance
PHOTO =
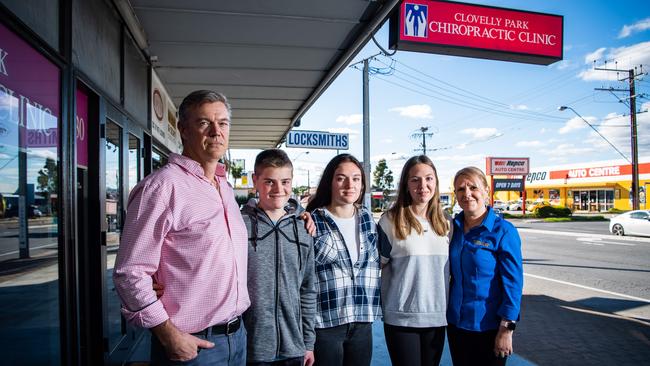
478,108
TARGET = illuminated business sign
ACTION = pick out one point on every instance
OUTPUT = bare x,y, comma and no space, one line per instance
599,171
318,140
507,166
477,31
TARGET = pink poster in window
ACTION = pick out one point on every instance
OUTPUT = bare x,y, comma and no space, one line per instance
81,120
29,94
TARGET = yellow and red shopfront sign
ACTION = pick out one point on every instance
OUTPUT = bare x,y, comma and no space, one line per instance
477,31
595,172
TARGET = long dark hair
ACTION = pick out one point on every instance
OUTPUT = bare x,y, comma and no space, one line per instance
400,213
323,196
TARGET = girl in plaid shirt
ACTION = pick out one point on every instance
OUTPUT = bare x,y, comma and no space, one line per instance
347,266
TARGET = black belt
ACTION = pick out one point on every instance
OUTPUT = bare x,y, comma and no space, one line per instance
227,328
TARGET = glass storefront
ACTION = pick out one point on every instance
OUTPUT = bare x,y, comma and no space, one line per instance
595,200
29,185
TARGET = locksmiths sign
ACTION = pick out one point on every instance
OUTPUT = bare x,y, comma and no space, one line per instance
507,166
477,31
318,140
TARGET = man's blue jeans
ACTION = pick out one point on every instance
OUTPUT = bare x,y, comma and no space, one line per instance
228,350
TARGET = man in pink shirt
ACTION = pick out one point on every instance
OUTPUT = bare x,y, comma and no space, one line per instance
183,230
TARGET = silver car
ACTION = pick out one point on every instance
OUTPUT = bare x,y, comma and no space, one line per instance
631,223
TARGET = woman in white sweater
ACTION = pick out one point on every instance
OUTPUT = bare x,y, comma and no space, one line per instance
414,245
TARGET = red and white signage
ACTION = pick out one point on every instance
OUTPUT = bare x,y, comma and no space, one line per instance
477,31
601,171
507,166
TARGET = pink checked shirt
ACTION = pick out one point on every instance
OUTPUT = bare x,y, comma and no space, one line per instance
180,229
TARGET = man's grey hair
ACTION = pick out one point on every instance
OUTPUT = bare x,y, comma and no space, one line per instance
196,99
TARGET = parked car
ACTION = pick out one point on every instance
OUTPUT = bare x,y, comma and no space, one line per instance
516,205
500,205
631,223
452,211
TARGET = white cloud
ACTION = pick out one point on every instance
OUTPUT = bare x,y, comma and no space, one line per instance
575,123
616,129
534,143
626,58
519,107
386,141
564,64
343,130
422,111
639,26
563,152
595,56
543,130
354,134
350,119
480,133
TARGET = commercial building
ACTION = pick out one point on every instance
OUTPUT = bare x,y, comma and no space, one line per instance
586,187
88,90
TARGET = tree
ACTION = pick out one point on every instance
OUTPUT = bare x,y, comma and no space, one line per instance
383,178
47,180
236,172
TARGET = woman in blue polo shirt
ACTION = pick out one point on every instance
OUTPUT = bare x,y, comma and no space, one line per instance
486,277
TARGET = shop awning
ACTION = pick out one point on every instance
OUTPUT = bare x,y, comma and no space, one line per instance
272,59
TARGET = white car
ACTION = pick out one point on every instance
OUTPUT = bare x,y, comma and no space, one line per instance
500,205
515,205
631,223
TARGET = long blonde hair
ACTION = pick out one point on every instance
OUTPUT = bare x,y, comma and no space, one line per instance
403,219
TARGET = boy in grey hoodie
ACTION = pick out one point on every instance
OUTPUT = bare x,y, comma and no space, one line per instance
281,277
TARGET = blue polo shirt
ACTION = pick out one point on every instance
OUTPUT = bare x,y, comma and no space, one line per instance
487,276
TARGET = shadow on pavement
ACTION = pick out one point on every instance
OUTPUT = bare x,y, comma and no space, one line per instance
556,332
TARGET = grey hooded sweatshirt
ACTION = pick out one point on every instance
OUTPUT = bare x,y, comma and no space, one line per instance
281,285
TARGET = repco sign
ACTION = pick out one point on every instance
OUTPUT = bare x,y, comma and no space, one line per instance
507,166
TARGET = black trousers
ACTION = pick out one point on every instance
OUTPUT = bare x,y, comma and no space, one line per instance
344,345
469,348
296,361
409,346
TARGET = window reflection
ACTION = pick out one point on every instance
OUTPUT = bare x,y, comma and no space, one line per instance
158,159
134,161
114,225
29,301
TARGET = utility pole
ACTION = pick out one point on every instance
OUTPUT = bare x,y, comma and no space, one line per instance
633,130
366,133
424,134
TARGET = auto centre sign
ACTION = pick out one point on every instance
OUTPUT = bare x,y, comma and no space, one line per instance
318,140
507,166
477,31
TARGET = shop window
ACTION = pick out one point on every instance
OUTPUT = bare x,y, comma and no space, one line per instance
114,225
29,188
158,159
134,161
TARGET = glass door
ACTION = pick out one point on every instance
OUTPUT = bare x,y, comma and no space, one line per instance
114,202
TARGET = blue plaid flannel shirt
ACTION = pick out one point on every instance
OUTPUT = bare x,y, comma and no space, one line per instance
347,292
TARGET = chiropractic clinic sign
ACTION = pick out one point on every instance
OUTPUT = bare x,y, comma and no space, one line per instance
477,31
507,166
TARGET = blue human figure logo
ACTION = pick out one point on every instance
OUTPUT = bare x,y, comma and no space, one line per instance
415,21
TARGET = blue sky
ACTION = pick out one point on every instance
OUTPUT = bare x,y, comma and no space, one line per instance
517,104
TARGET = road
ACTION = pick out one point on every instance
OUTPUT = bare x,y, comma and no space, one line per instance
586,295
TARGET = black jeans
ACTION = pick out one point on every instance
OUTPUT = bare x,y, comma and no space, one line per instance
296,361
344,345
409,346
469,348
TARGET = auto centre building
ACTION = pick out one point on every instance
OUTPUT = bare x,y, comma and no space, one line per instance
88,96
589,187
